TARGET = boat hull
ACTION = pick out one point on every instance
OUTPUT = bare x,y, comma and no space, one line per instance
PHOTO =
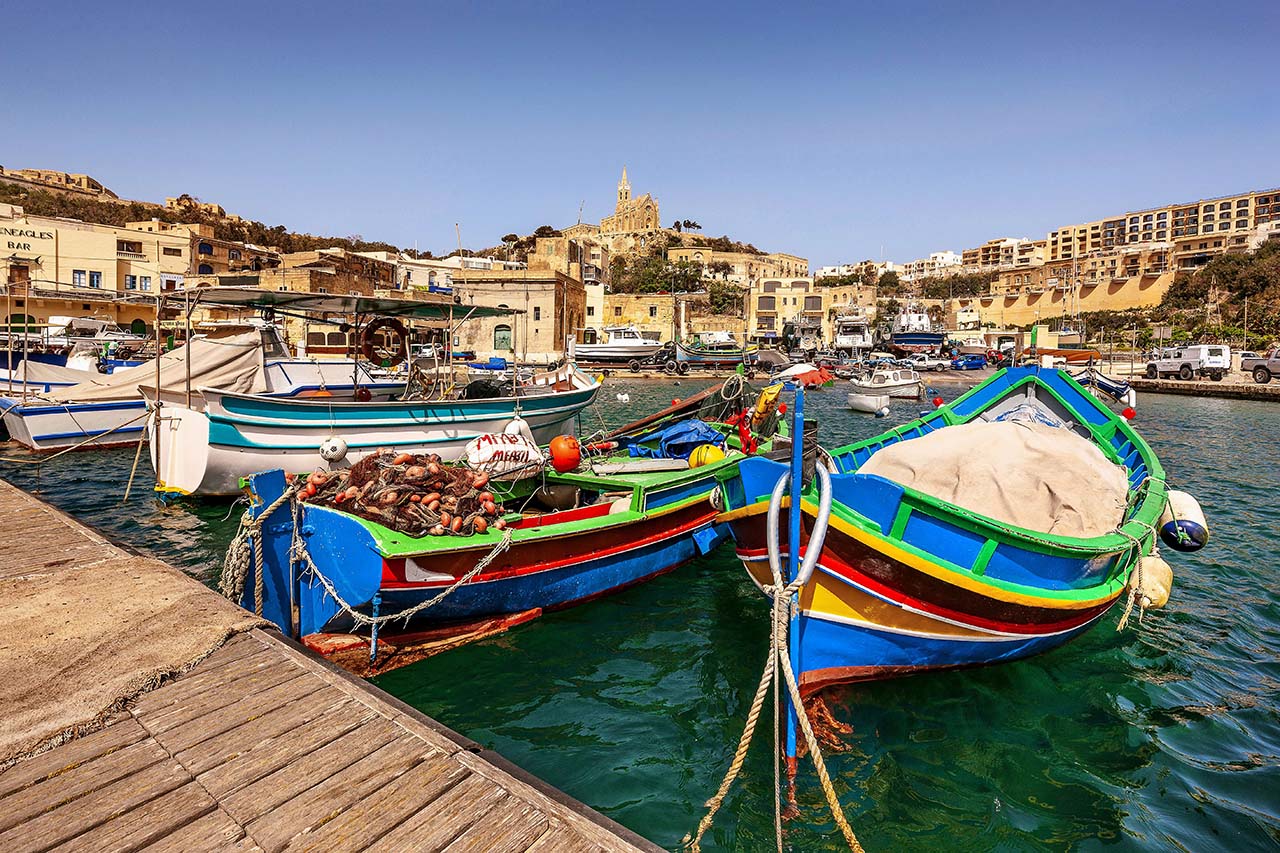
868,403
620,353
903,390
55,426
206,453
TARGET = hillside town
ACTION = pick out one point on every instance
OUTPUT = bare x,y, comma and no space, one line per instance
570,281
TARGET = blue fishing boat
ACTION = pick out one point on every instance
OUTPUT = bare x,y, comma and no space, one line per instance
924,551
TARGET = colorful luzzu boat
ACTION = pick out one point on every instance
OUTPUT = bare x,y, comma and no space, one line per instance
906,582
616,521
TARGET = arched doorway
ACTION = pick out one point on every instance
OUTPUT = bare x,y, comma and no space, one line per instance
138,327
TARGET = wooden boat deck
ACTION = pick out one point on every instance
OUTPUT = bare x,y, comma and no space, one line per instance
263,746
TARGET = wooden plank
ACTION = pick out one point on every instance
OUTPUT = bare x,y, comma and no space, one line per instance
200,715
69,755
511,827
335,794
561,839
382,809
191,700
213,833
452,814
64,823
252,801
86,777
267,757
245,706
148,822
252,727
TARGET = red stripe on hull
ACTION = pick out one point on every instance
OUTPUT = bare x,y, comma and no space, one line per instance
550,553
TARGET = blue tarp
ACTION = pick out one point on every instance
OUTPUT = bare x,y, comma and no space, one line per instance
678,440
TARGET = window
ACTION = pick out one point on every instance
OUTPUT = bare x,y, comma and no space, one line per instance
233,254
204,269
315,339
95,278
591,310
1226,205
144,282
653,310
537,312
130,282
172,252
502,337
1244,202
205,249
78,278
766,303
1242,223
617,310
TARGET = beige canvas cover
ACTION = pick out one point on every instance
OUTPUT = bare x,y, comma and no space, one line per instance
1031,475
232,363
38,373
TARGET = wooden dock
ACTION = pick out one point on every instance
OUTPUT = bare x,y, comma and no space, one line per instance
259,746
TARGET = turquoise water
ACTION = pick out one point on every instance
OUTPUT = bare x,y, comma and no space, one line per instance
1163,737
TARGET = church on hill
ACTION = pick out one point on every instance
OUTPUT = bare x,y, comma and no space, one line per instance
633,226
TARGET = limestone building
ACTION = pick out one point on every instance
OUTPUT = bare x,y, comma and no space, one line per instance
635,221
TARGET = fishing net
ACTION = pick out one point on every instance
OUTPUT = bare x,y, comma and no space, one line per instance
413,494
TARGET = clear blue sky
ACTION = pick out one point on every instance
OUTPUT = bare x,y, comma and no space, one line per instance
831,131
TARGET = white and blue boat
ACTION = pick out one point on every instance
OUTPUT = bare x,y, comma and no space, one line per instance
109,410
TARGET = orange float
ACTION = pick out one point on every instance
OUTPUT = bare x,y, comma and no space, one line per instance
566,453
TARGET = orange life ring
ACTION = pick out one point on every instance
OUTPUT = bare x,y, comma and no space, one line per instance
369,344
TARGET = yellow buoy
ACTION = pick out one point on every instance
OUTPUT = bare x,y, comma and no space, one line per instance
705,454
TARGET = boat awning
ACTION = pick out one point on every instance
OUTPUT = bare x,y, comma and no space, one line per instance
439,307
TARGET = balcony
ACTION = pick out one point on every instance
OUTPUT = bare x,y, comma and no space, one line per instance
130,256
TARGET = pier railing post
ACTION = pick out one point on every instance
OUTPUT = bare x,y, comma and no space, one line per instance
793,558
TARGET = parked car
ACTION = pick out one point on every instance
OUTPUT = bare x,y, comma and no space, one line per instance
1211,360
1263,368
971,361
923,361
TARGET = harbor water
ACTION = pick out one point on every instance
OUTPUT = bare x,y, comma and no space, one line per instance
1165,736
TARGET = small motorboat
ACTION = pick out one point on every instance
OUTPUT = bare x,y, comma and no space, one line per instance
623,344
871,404
892,381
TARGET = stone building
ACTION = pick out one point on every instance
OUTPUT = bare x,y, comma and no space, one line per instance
742,267
776,302
212,255
635,221
63,267
54,181
553,306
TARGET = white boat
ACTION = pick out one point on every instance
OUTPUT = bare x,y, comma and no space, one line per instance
109,410
868,403
890,381
207,451
624,343
853,332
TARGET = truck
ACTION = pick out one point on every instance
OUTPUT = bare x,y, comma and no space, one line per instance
1188,362
921,361
1263,368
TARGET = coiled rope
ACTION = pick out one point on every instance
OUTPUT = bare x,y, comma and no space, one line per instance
778,661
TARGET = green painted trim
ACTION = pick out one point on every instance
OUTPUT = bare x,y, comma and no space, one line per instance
984,557
900,520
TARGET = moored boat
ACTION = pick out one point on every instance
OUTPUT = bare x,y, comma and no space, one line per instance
890,381
623,344
931,554
558,538
868,403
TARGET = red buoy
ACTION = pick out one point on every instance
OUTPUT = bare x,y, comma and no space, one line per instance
937,402
782,408
1129,413
565,453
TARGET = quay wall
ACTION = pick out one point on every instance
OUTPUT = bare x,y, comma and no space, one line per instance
1022,308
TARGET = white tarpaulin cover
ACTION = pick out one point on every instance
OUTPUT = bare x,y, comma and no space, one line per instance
1031,475
232,363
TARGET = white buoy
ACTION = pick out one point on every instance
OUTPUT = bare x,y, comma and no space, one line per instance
882,412
333,449
623,398
519,426
1182,524
1153,580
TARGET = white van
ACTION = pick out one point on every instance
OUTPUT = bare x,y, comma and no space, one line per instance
1211,360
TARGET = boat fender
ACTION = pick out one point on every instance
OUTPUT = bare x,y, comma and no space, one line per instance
333,449
519,426
1152,579
1182,524
716,499
882,412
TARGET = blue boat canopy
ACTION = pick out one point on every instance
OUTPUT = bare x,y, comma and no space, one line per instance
678,440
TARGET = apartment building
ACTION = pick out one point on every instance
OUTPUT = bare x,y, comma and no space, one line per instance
740,267
776,302
938,263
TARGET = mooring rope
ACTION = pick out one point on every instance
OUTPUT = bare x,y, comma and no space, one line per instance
300,553
235,565
778,660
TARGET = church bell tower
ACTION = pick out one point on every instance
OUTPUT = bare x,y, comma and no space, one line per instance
624,190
